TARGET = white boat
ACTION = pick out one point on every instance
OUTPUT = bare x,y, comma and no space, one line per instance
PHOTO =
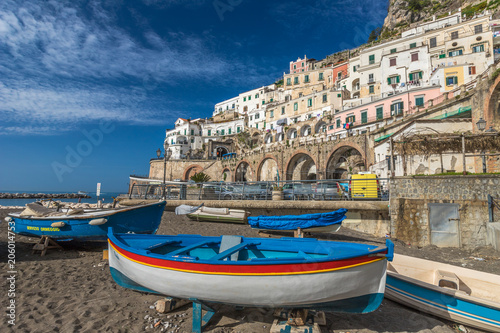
211,214
455,293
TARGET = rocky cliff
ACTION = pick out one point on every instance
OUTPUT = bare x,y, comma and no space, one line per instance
402,13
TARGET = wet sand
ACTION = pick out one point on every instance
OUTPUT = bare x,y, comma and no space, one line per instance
72,290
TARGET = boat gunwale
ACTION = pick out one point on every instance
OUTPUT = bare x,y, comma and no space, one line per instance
102,213
449,292
272,261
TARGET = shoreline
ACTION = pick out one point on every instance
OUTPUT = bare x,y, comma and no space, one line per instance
7,196
72,290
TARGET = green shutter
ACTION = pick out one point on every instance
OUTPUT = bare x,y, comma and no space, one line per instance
238,129
441,56
229,131
419,75
388,80
209,132
380,113
338,123
372,57
354,68
411,76
364,117
256,125
413,45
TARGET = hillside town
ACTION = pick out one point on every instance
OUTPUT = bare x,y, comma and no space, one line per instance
421,82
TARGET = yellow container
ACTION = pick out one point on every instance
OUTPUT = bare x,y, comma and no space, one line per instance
364,186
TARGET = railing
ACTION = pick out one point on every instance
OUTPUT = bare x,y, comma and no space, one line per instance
318,190
492,204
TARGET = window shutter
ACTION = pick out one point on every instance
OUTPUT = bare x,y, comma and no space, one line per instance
388,80
392,109
364,118
397,79
411,77
419,75
380,113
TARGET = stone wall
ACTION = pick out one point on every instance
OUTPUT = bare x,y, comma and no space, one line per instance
411,196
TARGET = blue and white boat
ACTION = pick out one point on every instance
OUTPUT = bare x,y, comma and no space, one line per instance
319,222
88,225
455,293
254,272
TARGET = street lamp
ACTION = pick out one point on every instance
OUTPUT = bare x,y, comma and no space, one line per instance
481,125
166,155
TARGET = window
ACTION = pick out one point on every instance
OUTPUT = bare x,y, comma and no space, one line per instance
472,70
296,80
370,78
229,131
350,119
295,106
185,131
415,76
244,99
309,102
380,113
192,132
238,129
433,42
306,78
442,55
320,76
309,116
419,101
339,95
371,59
414,57
371,89
394,50
270,100
330,127
272,126
288,81
454,35
338,122
263,102
245,108
455,53
364,117
172,141
256,125
354,68
302,65
392,62
393,79
209,132
413,45
249,97
251,117
271,113
232,106
282,110
222,132
325,98
397,108
478,28
257,115
294,66
478,48
451,80
339,75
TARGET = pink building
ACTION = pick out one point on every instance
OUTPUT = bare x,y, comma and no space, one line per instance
340,71
401,104
301,65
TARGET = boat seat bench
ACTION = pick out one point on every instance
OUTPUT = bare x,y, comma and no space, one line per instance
157,246
446,279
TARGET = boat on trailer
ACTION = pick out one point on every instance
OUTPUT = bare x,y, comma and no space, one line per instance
88,224
455,293
253,272
318,222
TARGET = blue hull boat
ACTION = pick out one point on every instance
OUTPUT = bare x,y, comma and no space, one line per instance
455,293
305,221
90,225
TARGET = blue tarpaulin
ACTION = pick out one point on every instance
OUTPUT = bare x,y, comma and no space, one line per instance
290,222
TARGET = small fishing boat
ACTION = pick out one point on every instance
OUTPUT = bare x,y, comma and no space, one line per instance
88,224
320,222
261,272
455,293
211,214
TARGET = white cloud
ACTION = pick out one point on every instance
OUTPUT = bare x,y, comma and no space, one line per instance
61,63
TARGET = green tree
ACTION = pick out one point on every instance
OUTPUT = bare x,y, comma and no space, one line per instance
200,177
374,35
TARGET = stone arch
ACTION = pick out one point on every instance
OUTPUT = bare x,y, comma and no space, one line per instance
492,106
305,130
268,138
301,166
268,168
243,172
279,137
345,159
256,138
292,133
320,127
191,170
221,150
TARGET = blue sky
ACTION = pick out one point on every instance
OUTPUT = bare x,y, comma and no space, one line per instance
87,88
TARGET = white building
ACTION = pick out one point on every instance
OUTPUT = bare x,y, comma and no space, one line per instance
229,104
185,137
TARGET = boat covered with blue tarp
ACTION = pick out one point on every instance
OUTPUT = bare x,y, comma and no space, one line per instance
292,222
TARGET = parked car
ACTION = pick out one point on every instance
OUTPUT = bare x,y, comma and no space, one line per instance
327,191
297,191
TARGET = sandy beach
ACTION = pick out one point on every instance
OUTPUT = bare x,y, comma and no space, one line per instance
72,290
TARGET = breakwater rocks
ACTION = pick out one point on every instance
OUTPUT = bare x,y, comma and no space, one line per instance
43,196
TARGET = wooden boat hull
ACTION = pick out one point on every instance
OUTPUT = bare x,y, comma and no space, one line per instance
305,285
459,305
205,214
93,225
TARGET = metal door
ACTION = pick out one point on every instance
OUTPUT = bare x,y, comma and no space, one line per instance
444,224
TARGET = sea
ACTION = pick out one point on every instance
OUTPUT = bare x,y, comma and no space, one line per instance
107,196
